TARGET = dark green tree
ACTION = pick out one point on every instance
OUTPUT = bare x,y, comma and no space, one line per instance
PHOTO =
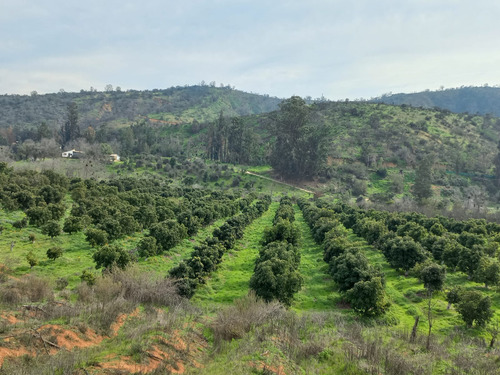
96,237
488,271
111,255
72,224
70,130
38,216
469,259
404,253
300,146
276,278
147,247
368,297
349,268
474,308
453,296
54,252
422,188
283,230
51,229
168,233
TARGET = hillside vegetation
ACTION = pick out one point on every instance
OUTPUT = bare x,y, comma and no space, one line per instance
176,105
483,100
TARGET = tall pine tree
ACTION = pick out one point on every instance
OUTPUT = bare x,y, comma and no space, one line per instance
422,188
70,130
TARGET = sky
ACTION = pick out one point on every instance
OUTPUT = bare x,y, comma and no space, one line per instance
336,49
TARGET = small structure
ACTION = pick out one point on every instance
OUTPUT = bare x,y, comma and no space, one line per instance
72,154
114,157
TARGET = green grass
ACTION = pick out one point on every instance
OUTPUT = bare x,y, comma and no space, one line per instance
77,254
318,290
231,280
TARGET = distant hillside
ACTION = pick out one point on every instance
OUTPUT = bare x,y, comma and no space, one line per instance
482,100
175,105
375,133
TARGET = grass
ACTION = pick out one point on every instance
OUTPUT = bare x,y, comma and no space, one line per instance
231,280
77,254
318,290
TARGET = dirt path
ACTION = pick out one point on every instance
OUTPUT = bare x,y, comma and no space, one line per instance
279,182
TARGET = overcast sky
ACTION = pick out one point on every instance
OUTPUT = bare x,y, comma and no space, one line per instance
339,49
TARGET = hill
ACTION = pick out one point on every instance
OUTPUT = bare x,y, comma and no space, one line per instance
118,108
482,100
375,134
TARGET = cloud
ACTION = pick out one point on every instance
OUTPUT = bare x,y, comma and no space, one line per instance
339,49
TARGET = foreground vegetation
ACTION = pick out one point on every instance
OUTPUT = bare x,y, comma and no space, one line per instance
105,289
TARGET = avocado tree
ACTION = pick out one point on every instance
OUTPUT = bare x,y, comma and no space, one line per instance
368,297
474,308
111,255
433,277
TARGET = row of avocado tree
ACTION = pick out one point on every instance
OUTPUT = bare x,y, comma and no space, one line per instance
276,274
409,238
414,243
360,283
208,254
162,237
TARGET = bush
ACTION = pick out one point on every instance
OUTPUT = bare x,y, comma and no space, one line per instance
51,229
54,252
88,277
111,255
147,247
96,237
243,316
23,223
474,308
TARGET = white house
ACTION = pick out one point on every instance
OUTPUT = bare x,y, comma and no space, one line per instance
72,154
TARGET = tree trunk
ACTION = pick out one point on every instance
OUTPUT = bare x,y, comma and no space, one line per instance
413,335
429,318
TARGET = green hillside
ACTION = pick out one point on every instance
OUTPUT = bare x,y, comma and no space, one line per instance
482,100
175,105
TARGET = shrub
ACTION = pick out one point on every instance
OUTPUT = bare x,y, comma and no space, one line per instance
110,255
23,223
51,229
474,308
54,252
88,277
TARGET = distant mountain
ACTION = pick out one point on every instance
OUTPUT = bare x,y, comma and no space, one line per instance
482,100
176,105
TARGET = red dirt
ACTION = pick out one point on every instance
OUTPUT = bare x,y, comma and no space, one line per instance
7,352
174,352
120,321
10,318
68,339
280,370
156,357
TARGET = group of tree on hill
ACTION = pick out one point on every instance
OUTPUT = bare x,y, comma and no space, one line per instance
276,274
